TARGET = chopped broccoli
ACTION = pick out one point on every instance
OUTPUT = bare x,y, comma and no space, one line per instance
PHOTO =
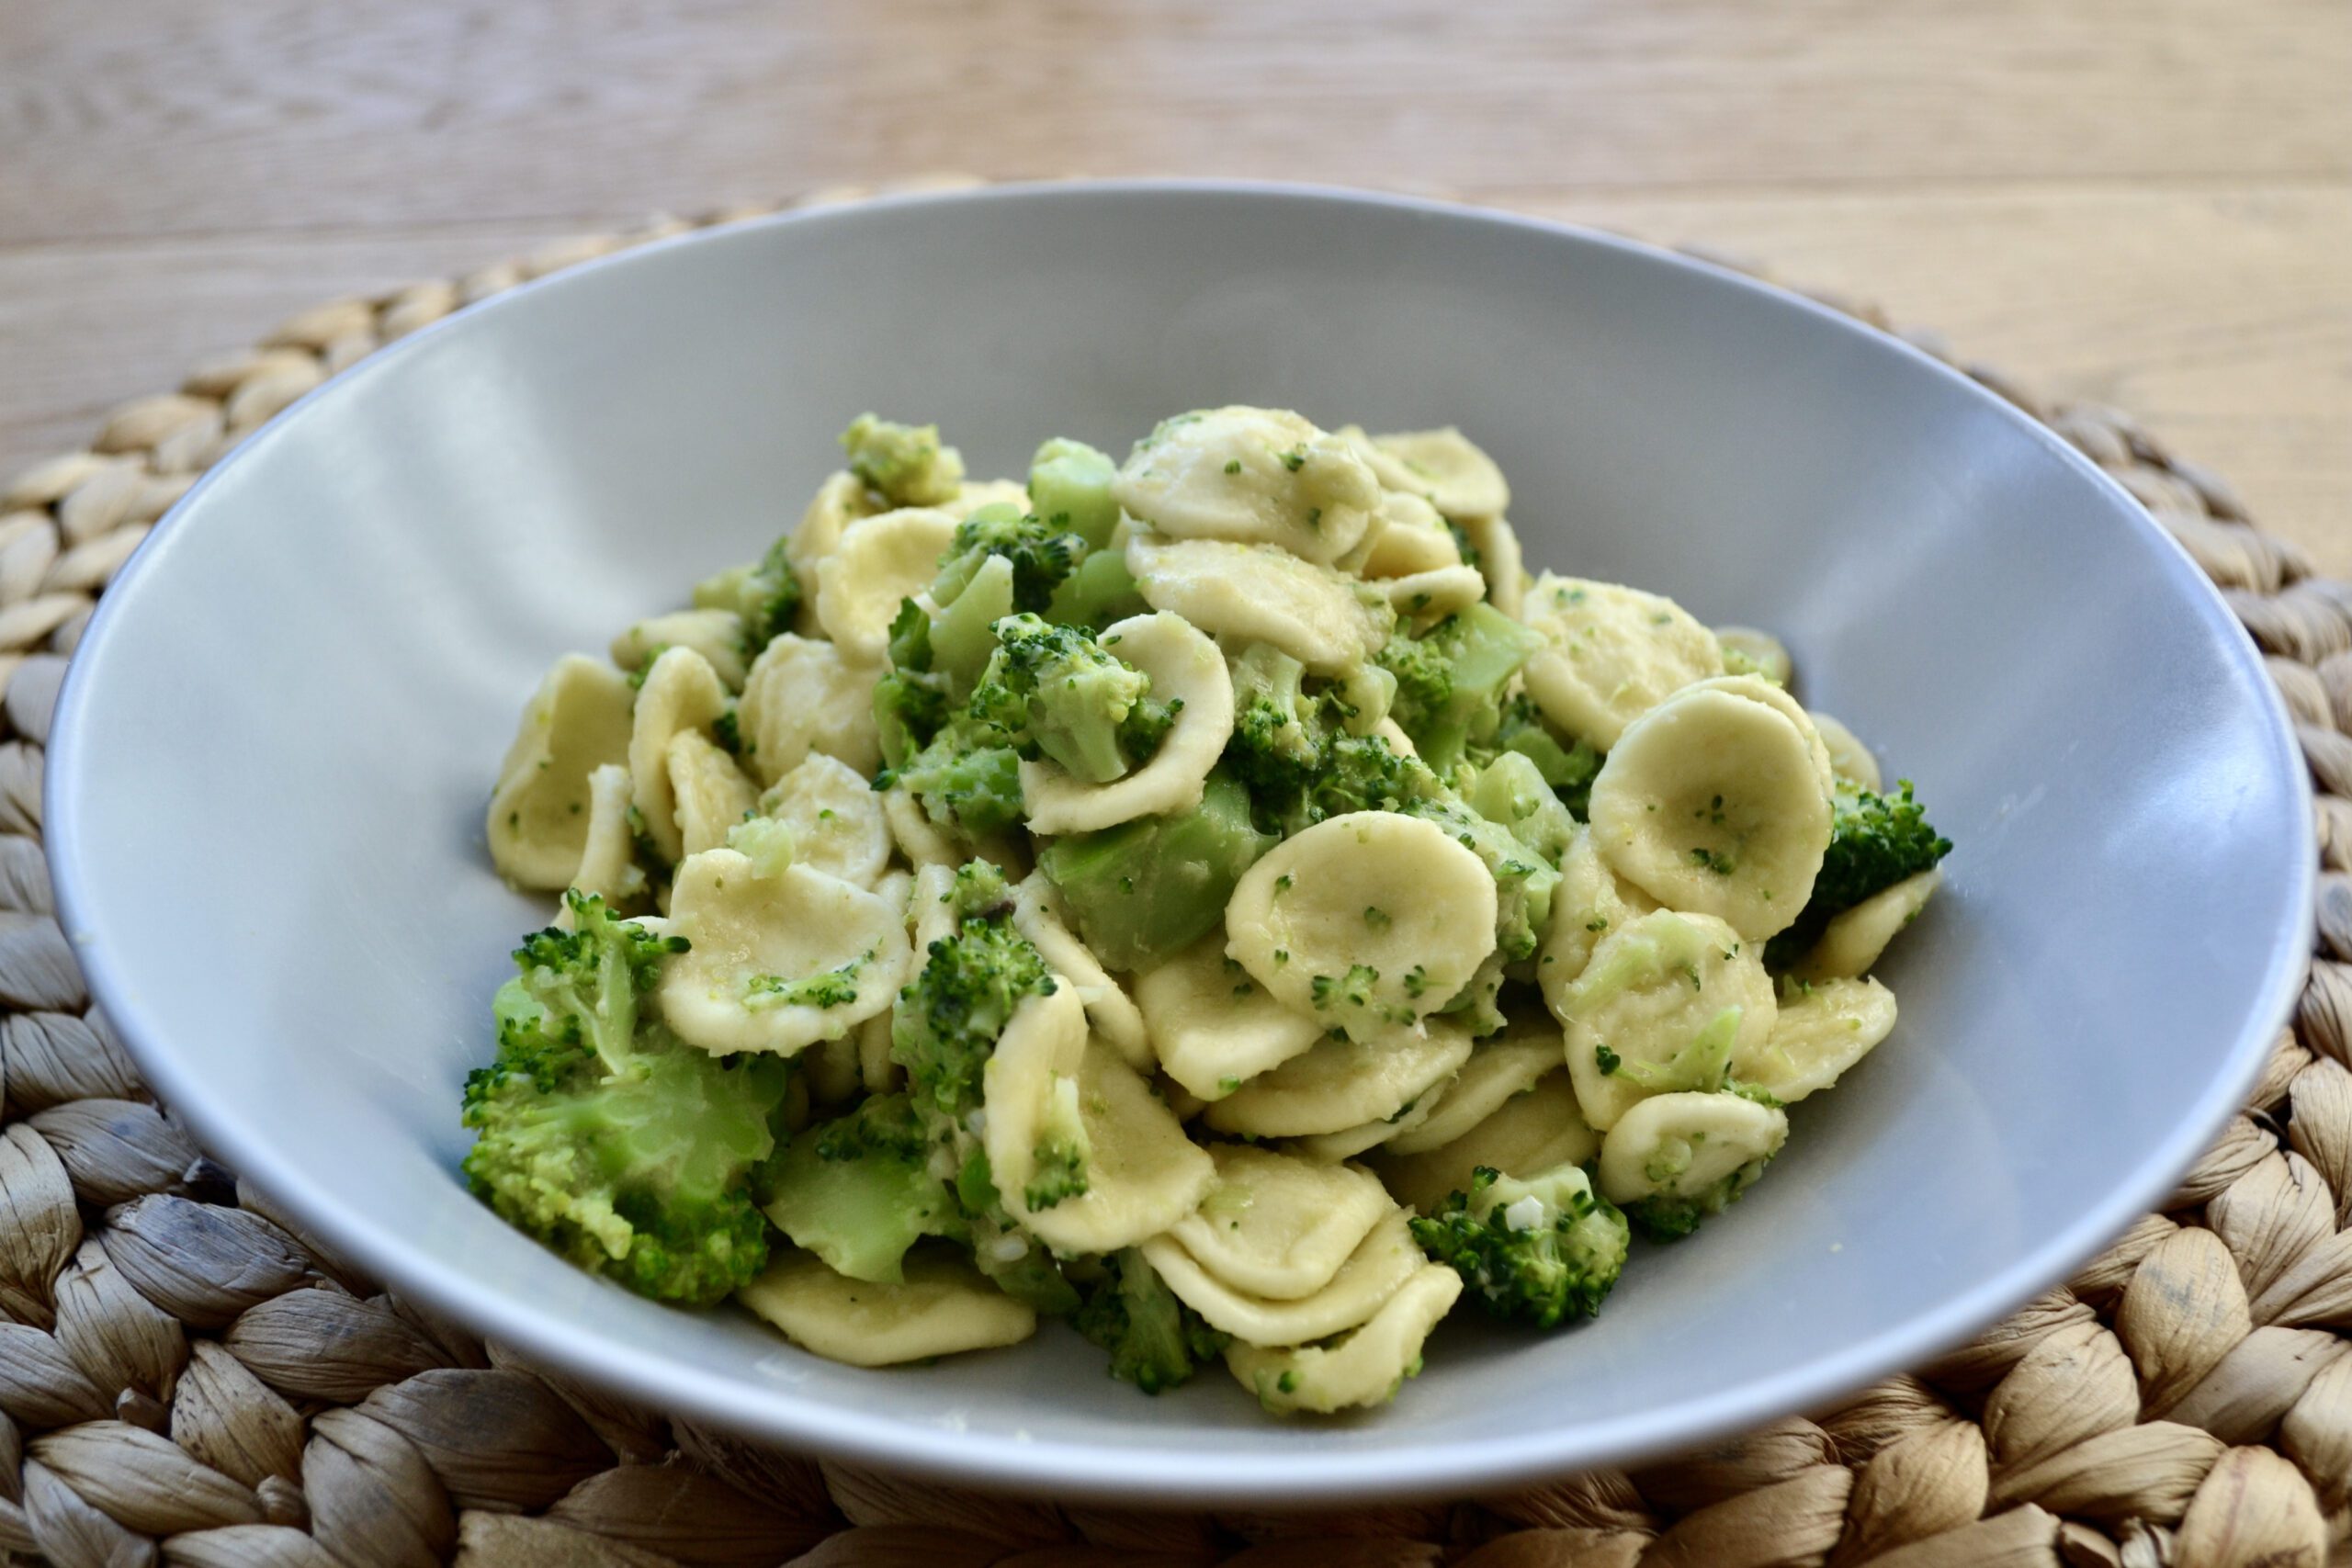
1062,1151
1524,880
962,636
1063,695
1452,676
1100,591
947,1021
1070,486
1666,1217
1143,890
1517,726
607,1139
766,594
1041,554
904,462
1875,842
1511,789
1537,1250
858,1191
1155,1341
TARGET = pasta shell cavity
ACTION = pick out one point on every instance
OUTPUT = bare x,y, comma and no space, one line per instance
1854,940
608,867
717,635
1244,593
1590,901
943,1306
1364,1367
711,792
777,962
1278,1226
1682,1145
839,502
1532,1131
1381,1263
1036,914
879,562
1669,1003
1183,666
1447,467
1363,922
1409,536
1498,1070
1611,654
1821,1031
1339,1085
836,816
1252,476
682,693
1212,1026
539,819
801,696
1714,802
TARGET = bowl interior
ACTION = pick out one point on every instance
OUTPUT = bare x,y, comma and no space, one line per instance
267,783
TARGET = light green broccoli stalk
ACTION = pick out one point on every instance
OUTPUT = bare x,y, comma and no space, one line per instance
905,463
859,1191
1450,679
605,1138
1535,1251
1155,1341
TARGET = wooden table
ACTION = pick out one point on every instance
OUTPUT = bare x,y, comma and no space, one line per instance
2147,202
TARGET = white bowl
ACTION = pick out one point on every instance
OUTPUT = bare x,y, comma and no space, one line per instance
265,789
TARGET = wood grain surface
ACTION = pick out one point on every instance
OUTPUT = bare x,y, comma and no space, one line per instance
2145,202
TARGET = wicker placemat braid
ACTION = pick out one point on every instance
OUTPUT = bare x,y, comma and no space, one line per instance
185,1377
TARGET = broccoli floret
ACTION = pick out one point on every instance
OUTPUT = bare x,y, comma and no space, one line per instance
1519,727
1875,842
1292,749
1155,1341
967,775
858,1191
1100,591
946,1022
604,1138
1042,555
1070,486
1450,679
904,462
1063,695
766,594
1535,1251
1143,891
1668,1217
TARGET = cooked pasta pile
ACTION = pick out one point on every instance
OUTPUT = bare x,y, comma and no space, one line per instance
1221,900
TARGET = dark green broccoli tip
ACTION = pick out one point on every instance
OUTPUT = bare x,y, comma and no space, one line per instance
1452,676
1042,551
946,1022
1534,1252
1155,1341
1058,1175
1061,695
1875,842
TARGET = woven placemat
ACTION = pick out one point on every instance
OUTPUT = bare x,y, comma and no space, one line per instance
187,1378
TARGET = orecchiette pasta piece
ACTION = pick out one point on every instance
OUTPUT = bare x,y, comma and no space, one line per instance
1037,915
1680,1145
1278,1226
1854,940
1339,1084
1754,688
977,494
1766,653
920,839
840,501
1330,1148
1611,654
877,565
1253,476
1246,593
943,1306
1212,1026
711,792
1820,1033
1029,1088
577,721
1185,666
1366,1367
836,818
1712,803
1446,467
1388,729
802,696
877,1070
1530,1132
1382,1262
930,909
1500,562
777,962
608,862
1363,922
1668,1002
1428,595
1498,1069
717,635
1590,901
681,693
1407,537
1849,758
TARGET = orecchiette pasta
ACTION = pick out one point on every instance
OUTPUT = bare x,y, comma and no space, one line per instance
1849,758
1409,537
802,696
1853,940
1277,1226
1143,1173
1327,621
1684,1145
1500,562
1497,1070
943,1307
1364,1137
1817,1035
1339,1084
1528,1133
1448,468
1255,476
608,867
1668,1002
1363,1366
1611,654
1432,595
1760,649
711,792
839,501
576,722
1113,1014
717,635
879,562
682,693
836,816
1212,1026
1381,1263
1185,668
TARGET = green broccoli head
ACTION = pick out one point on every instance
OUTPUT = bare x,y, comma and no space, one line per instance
947,1021
1450,679
965,774
1875,842
1155,1341
859,1191
904,462
1060,692
1070,485
1042,553
1517,726
604,1138
766,594
1537,1250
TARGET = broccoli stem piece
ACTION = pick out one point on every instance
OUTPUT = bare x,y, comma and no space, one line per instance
858,1191
1155,1341
1100,591
1143,890
1535,1251
1451,677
